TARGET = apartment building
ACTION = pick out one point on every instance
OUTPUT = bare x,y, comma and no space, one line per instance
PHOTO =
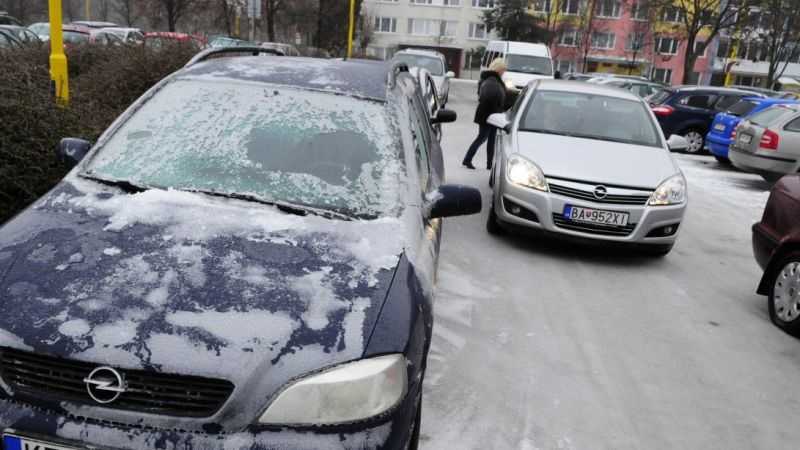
619,37
452,27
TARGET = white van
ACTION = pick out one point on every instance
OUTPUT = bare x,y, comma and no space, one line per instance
526,61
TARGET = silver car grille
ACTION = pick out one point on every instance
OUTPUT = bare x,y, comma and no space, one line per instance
588,194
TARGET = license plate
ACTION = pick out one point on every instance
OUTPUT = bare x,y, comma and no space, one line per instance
745,138
719,127
596,216
13,442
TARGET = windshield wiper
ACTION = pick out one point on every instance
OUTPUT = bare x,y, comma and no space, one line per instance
289,208
126,186
559,133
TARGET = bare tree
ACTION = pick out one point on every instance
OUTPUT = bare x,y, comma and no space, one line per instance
103,9
126,10
641,40
708,18
586,27
227,12
71,9
366,30
273,8
175,10
777,28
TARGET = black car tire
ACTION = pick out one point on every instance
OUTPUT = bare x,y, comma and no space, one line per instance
413,443
492,225
657,251
792,327
722,160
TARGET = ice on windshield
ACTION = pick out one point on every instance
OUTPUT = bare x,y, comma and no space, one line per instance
590,116
277,144
429,63
529,64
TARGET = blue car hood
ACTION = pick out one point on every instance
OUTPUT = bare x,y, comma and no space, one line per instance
184,283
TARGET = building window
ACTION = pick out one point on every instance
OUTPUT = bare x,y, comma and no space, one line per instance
570,7
723,48
639,10
753,51
700,54
635,42
661,75
667,46
541,6
432,27
385,25
483,4
602,40
608,8
451,2
672,15
421,2
569,38
477,31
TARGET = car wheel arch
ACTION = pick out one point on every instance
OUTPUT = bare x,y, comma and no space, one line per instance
783,249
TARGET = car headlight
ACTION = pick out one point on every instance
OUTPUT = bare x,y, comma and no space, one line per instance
671,191
522,172
348,393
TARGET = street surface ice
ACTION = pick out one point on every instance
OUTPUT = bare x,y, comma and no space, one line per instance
544,345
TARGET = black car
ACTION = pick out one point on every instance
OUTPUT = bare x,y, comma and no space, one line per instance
23,35
244,260
689,110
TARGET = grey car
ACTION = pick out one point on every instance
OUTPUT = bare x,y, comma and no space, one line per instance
768,142
432,61
587,162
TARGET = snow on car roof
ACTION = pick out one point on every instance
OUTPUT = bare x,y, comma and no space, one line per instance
353,77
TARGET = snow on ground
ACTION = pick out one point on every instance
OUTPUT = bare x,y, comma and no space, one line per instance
542,345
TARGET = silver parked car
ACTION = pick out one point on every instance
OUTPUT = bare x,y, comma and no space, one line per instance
432,61
768,142
586,161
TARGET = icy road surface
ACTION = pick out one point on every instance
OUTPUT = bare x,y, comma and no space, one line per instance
547,346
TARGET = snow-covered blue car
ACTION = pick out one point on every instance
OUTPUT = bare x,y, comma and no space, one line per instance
243,261
720,137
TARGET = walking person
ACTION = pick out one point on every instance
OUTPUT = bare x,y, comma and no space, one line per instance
491,99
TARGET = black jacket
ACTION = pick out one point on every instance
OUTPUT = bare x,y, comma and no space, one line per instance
491,96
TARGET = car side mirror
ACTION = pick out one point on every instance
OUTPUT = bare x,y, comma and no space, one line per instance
450,74
676,142
557,75
444,116
453,200
71,151
499,120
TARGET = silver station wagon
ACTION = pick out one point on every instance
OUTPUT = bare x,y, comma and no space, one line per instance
768,142
587,162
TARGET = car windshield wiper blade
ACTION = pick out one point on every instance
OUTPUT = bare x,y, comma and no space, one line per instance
542,130
289,208
125,185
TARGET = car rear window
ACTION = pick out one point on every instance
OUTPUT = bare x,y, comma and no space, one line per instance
742,108
660,97
274,143
770,115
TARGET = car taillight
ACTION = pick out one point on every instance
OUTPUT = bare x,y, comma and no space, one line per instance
733,132
769,140
663,110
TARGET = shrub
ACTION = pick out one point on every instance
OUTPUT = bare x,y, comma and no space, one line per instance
103,82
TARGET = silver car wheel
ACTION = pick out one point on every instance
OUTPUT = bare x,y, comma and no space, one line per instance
786,292
695,141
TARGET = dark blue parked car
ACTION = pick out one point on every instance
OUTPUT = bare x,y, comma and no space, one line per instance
689,110
244,260
720,136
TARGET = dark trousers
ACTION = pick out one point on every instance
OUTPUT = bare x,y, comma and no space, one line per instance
485,132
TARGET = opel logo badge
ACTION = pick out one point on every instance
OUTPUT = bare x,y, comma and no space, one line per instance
104,384
600,192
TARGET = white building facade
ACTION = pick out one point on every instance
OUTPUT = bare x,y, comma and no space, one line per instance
453,27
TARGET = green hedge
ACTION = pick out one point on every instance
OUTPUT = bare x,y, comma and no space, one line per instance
103,82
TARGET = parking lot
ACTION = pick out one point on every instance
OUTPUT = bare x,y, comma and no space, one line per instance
540,345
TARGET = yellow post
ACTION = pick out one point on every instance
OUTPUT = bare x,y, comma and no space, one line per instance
731,55
352,28
237,25
58,60
88,9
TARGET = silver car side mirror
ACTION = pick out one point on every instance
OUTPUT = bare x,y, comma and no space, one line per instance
499,120
676,142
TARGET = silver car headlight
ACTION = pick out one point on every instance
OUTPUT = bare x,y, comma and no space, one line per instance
522,172
671,191
348,393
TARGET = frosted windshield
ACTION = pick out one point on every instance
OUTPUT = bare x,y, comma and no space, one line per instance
274,143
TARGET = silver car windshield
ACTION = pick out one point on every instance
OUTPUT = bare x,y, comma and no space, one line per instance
590,116
429,63
269,143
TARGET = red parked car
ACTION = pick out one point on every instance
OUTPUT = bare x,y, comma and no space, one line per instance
158,39
776,245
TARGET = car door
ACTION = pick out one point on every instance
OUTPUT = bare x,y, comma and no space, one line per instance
695,111
790,138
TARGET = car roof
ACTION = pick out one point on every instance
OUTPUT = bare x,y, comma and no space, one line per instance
714,89
528,48
77,29
94,24
122,29
352,77
420,51
585,88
